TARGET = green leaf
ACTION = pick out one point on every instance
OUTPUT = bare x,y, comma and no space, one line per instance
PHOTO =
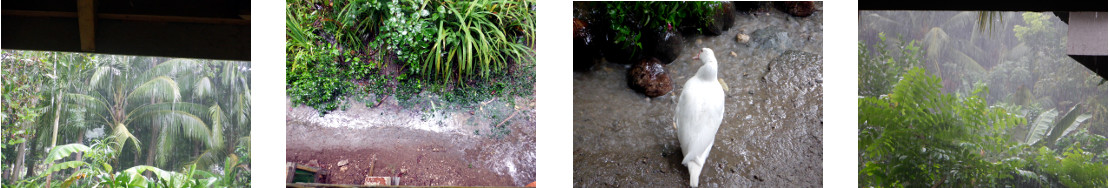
64,165
1069,120
63,151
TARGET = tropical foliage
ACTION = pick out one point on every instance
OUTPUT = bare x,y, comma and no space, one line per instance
630,20
920,136
145,113
878,71
928,118
403,47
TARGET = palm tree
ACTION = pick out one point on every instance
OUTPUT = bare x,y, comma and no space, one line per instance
229,95
63,80
139,93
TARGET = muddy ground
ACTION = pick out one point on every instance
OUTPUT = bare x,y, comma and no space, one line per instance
772,134
461,147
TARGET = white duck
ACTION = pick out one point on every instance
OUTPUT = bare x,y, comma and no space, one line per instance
699,113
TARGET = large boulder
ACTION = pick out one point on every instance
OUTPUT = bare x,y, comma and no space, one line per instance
797,8
771,38
723,18
649,77
665,44
585,46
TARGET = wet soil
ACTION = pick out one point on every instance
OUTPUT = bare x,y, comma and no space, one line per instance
772,134
459,147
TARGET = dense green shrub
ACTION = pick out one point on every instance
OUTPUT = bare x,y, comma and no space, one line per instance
631,19
1075,168
408,31
918,136
1038,32
440,46
318,72
880,68
445,40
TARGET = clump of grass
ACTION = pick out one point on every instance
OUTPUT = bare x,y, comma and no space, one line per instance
498,132
478,38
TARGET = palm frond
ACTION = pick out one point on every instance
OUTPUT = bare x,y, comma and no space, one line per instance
145,113
186,124
986,20
120,134
216,117
172,68
202,88
102,72
90,103
161,88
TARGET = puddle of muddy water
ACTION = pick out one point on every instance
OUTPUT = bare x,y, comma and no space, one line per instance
439,147
772,134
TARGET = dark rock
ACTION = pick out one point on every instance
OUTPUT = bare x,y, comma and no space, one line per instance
649,77
771,38
617,51
723,18
666,44
590,34
746,6
585,47
797,8
618,54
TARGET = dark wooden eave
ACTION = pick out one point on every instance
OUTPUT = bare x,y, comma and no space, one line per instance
209,29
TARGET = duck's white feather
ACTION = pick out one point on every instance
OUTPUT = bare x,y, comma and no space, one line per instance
698,115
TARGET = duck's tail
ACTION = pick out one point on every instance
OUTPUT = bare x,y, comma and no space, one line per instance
694,171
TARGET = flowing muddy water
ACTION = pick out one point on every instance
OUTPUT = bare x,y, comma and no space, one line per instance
461,147
772,133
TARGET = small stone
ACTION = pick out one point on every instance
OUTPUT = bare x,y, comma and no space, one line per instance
698,41
343,162
723,84
343,169
734,55
742,38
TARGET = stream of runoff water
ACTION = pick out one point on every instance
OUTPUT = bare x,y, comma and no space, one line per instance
455,147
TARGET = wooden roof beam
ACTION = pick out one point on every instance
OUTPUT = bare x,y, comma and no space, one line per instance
245,20
86,18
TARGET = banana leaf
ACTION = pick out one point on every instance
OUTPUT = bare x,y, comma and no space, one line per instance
1040,126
